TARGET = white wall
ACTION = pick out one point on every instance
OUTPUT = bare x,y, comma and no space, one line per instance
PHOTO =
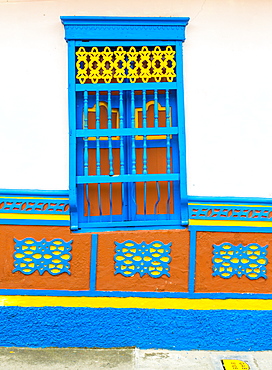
228,91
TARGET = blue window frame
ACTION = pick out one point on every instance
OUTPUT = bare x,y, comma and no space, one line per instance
126,113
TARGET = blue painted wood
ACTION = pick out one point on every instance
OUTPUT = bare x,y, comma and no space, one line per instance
110,155
122,152
182,141
220,200
126,86
156,126
133,155
125,43
142,29
229,212
72,137
86,151
128,132
32,203
108,28
145,169
98,159
34,206
126,178
168,149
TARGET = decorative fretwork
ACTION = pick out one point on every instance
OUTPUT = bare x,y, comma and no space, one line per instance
249,260
117,64
53,256
232,212
152,259
34,205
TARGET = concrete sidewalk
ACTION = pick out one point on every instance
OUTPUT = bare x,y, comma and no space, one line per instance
129,358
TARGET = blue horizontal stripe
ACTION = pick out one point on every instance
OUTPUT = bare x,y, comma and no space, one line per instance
126,132
127,86
142,328
105,179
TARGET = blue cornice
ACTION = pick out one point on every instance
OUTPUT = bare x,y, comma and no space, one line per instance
124,28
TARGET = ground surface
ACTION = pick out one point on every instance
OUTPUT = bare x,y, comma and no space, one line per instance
127,358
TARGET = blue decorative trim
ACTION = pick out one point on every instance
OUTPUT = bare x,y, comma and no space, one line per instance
52,256
152,259
114,28
34,207
192,262
94,244
241,212
124,294
220,200
231,229
230,260
35,192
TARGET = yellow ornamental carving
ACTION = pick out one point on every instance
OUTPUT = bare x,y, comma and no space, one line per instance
145,64
82,65
107,64
157,64
132,64
169,63
118,64
94,65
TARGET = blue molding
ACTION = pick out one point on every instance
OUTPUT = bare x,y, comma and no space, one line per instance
126,28
124,294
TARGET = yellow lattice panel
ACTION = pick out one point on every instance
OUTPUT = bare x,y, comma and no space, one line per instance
142,65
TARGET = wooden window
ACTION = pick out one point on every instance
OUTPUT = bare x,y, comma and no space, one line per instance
127,139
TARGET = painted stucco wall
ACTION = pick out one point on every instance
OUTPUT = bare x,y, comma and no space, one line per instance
227,62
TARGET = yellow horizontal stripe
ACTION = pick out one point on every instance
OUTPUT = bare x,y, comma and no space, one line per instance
31,216
35,198
228,205
133,302
229,223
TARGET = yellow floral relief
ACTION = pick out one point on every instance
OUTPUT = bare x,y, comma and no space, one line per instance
108,65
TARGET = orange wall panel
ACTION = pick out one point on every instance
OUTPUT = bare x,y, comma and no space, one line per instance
178,280
205,282
79,264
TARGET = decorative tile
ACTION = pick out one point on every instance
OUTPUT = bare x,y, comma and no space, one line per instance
146,259
52,256
230,260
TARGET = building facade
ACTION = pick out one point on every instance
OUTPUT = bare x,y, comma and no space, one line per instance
135,201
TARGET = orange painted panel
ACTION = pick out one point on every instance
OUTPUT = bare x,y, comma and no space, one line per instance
79,264
178,280
205,282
